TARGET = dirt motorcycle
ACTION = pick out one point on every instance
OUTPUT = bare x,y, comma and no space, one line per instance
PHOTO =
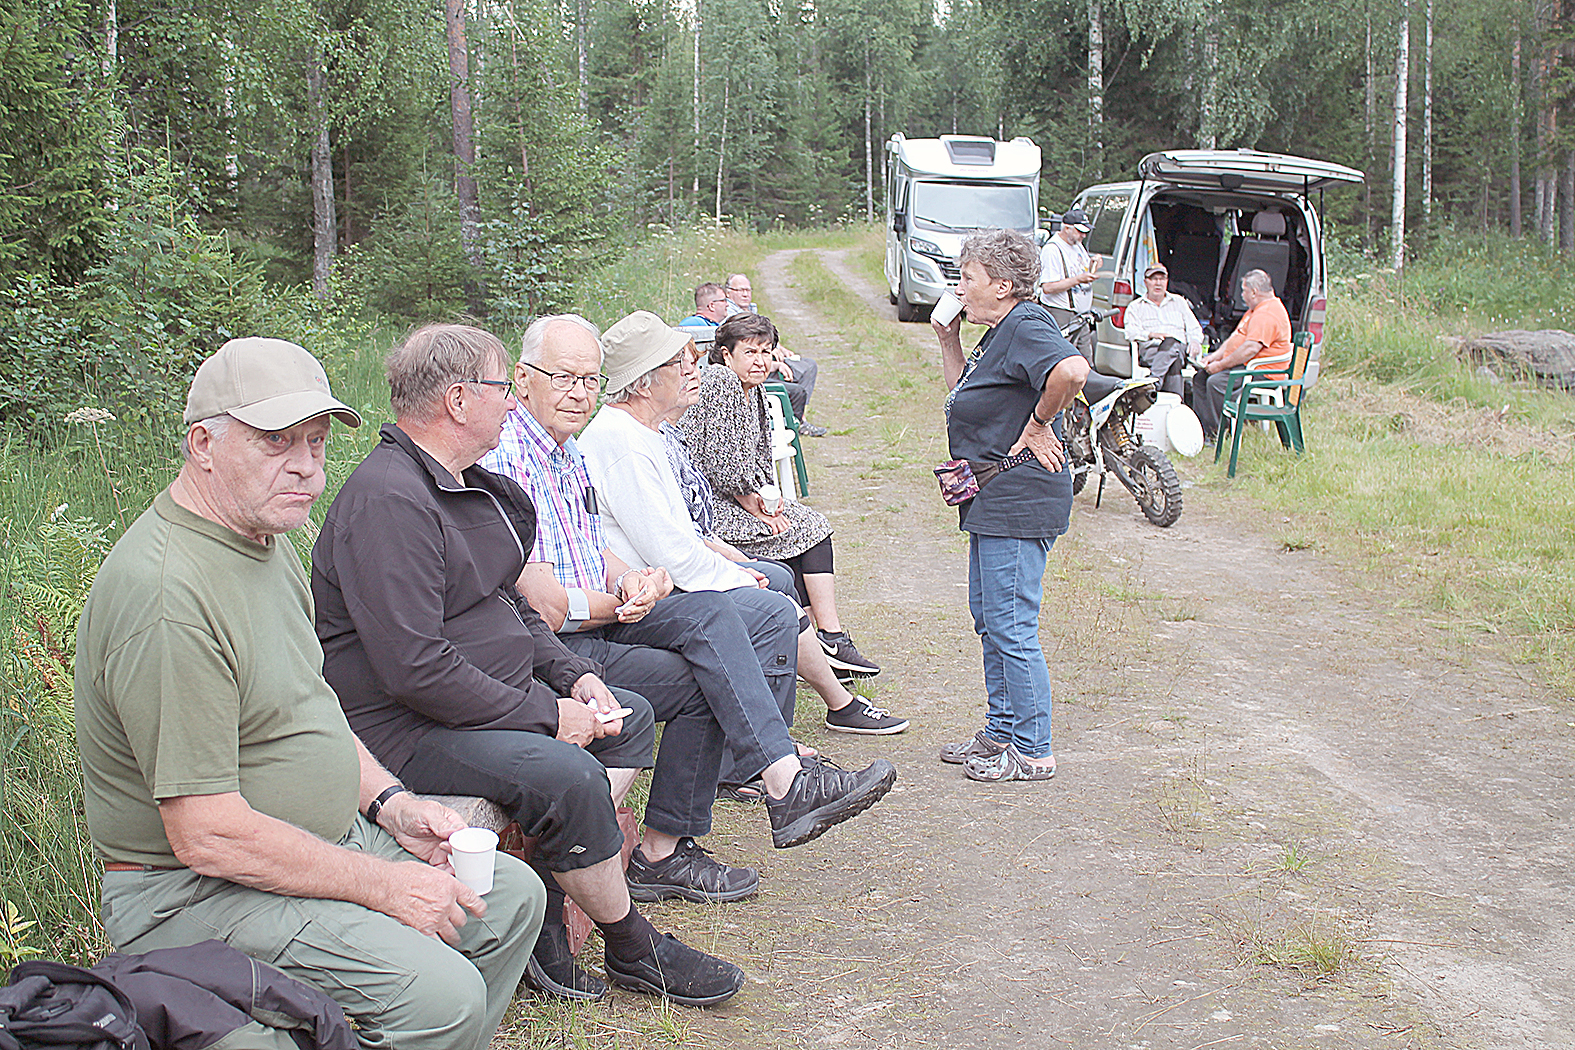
1101,435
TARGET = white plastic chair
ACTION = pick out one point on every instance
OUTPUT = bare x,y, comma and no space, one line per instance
782,452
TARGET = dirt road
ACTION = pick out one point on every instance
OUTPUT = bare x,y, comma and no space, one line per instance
1265,768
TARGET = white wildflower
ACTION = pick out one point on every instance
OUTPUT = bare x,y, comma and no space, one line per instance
88,414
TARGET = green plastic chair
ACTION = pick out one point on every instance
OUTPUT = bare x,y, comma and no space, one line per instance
773,388
1240,409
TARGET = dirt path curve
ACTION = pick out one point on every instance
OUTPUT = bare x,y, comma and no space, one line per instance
1260,762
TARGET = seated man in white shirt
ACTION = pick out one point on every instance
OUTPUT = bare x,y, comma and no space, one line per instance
1164,327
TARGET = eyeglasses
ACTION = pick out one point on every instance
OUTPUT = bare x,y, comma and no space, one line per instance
505,385
564,381
680,362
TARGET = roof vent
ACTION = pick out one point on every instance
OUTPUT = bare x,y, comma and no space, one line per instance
970,151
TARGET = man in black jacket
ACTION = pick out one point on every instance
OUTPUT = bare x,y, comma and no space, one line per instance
456,683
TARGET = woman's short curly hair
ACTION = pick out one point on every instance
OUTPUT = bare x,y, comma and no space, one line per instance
1005,255
742,325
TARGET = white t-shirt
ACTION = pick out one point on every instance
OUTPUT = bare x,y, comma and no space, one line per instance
1059,260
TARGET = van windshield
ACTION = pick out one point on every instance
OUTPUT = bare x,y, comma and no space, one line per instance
973,206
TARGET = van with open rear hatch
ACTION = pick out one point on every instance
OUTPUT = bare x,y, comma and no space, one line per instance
1211,216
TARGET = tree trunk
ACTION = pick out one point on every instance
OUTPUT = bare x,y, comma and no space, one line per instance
1369,117
721,149
464,139
345,237
1546,125
1516,122
869,144
1096,86
1402,75
582,55
695,189
1567,205
324,226
111,40
1208,105
1427,124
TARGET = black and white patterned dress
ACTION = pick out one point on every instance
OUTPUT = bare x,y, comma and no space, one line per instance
728,435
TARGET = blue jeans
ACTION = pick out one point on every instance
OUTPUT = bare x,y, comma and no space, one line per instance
1005,587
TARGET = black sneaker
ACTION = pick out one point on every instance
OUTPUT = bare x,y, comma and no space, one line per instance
843,656
811,430
551,969
863,717
689,872
681,973
822,795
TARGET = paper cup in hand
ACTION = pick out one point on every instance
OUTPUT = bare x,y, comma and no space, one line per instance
947,308
474,852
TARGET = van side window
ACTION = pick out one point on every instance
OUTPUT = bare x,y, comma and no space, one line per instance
1102,241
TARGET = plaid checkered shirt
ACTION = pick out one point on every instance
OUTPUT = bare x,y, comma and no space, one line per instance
567,534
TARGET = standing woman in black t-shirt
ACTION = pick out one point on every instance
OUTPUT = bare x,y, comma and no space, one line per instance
1007,394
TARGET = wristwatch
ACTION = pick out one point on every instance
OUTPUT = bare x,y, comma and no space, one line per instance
381,800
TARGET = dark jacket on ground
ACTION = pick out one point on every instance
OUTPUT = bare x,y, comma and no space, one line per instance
413,579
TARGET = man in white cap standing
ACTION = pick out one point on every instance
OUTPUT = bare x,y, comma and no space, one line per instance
225,791
1066,276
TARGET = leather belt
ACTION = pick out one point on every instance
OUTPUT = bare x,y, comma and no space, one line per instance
118,866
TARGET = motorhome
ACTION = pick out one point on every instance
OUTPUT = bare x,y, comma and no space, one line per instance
1210,216
938,191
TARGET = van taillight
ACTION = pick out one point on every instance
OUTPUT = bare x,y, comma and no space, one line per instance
1119,289
1315,320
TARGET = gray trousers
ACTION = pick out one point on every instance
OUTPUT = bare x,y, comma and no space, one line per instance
802,386
403,990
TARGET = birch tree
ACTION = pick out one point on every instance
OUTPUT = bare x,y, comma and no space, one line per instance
1402,76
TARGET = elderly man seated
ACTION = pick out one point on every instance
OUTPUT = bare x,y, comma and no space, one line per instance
734,650
225,792
1262,339
454,682
1164,327
647,516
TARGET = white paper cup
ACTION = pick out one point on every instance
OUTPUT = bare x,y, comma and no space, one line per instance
474,852
770,499
946,308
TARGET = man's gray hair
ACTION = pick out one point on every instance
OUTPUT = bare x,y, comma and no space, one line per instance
1005,255
216,426
639,386
733,277
1258,281
535,336
435,357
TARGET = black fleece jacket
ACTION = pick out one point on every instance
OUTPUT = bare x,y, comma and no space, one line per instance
413,579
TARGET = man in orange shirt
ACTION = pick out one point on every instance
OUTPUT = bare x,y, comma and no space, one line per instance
1262,339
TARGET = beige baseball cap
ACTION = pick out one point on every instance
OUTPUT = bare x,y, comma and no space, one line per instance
637,344
269,384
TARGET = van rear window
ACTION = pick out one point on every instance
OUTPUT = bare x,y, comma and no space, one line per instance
1102,240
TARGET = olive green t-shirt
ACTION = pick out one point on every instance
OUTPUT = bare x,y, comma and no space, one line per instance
198,673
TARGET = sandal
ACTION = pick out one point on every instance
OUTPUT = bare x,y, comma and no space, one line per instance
754,791
978,744
1008,764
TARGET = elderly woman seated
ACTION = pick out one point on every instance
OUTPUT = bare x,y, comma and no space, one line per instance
729,439
657,509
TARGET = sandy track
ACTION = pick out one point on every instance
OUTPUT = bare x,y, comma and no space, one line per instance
1253,749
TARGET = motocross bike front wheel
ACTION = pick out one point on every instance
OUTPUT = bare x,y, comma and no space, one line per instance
1155,485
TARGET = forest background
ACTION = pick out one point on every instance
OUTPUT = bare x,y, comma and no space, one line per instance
177,173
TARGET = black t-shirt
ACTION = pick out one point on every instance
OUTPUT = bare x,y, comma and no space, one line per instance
992,405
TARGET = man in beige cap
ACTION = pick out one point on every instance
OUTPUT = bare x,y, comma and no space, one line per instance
225,791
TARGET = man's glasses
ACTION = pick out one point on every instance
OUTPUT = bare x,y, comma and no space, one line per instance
505,385
684,362
563,381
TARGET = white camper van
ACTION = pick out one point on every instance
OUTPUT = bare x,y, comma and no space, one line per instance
940,190
1210,216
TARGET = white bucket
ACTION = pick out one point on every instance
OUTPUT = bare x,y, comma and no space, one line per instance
1171,426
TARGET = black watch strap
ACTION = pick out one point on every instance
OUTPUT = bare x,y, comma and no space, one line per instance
381,800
